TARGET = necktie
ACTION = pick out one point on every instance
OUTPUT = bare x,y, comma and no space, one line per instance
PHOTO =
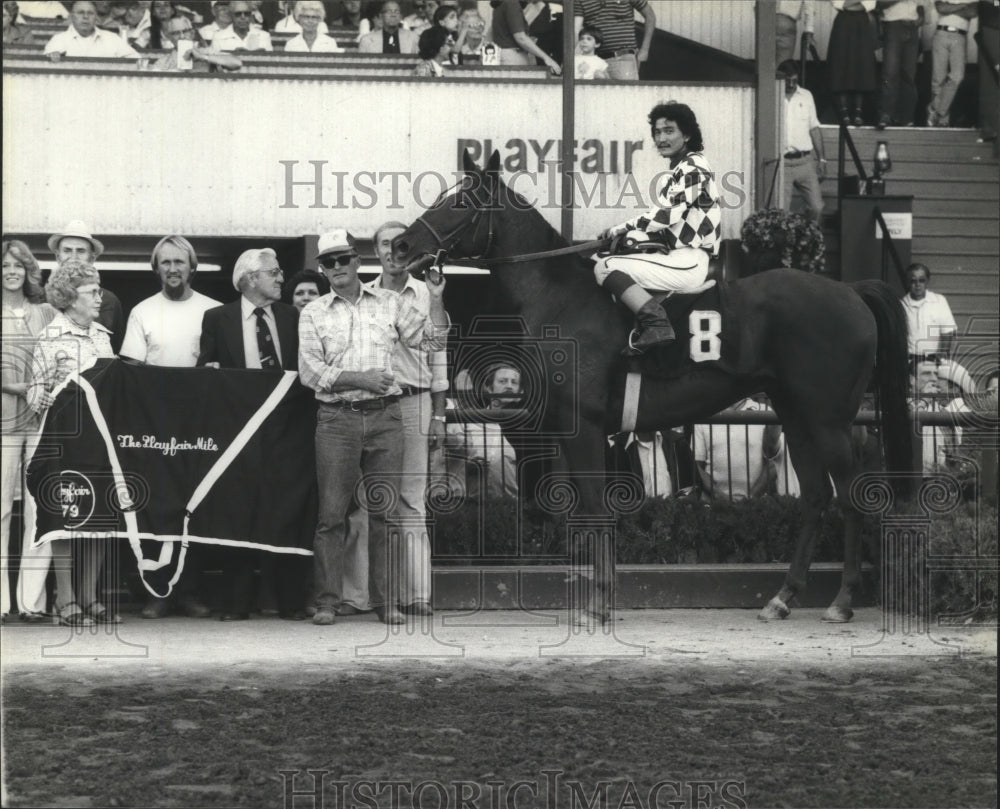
265,343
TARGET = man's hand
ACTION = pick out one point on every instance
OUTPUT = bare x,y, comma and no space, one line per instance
642,55
435,283
55,56
610,233
377,380
435,436
821,169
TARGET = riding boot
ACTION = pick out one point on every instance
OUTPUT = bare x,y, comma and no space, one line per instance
654,327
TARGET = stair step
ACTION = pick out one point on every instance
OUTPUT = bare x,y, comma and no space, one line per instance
955,226
949,261
956,245
940,189
869,135
965,283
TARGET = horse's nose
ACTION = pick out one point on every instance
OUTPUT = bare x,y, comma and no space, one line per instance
400,248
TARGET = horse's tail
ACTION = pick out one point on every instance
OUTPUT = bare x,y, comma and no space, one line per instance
891,372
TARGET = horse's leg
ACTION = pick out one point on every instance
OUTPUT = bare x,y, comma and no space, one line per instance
843,469
809,459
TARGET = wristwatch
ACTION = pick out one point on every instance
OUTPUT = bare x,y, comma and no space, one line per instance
440,418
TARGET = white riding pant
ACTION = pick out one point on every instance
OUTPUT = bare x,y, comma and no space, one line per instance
680,270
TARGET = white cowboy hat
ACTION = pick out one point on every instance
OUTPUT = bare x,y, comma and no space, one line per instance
79,230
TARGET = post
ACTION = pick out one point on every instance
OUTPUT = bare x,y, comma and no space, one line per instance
768,100
569,121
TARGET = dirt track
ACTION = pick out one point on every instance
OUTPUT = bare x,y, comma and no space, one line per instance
765,714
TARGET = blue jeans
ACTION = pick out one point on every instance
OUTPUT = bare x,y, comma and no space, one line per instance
355,448
899,69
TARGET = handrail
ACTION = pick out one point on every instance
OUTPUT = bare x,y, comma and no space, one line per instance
889,249
846,140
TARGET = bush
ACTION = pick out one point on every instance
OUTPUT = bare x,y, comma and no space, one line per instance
686,531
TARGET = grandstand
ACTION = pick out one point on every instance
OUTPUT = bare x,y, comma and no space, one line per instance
293,144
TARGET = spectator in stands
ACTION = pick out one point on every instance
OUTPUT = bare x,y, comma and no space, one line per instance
137,22
434,49
588,64
730,458
901,23
242,35
202,58
161,12
471,38
222,18
289,24
480,448
76,243
25,316
347,340
72,341
391,38
790,15
257,331
617,23
351,18
804,155
931,324
422,17
939,443
43,10
13,34
313,39
510,34
165,330
538,18
304,287
949,53
110,14
850,57
84,38
662,460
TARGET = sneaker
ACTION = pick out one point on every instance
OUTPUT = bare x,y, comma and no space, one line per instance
324,617
932,116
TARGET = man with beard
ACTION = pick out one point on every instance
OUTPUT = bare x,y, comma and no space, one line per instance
165,330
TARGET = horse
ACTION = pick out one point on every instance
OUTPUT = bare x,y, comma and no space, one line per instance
811,344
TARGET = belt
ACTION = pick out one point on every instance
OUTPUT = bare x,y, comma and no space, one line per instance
613,54
409,390
795,154
951,29
364,405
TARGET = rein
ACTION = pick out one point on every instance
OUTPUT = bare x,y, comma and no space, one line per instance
585,247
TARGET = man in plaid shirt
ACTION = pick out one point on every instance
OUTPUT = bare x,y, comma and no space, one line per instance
676,238
346,343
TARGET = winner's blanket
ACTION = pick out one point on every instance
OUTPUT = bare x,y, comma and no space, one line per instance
166,456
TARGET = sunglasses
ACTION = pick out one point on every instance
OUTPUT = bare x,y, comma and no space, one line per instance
329,262
242,13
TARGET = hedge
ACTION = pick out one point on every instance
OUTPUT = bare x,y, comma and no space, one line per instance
682,530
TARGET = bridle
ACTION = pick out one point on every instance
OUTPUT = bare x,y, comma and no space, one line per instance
446,243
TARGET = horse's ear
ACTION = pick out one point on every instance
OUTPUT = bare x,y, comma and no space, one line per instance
493,165
468,164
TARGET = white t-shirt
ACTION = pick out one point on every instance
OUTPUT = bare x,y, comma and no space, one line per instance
928,319
165,332
587,66
256,40
100,43
733,454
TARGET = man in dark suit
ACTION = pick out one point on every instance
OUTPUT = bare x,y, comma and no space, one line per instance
663,461
256,332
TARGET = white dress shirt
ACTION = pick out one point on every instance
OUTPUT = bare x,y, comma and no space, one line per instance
249,320
100,43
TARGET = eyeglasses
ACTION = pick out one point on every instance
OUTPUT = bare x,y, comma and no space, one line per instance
329,262
276,272
242,13
94,293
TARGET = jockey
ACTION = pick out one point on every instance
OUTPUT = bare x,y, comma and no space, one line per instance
683,228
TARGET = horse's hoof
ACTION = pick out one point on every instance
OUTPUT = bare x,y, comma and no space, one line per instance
589,617
774,610
837,615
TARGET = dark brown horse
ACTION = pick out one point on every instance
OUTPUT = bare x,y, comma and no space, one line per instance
811,344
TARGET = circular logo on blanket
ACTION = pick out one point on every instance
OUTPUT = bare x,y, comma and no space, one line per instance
71,494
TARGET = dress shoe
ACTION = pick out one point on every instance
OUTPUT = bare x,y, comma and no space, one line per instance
34,617
324,617
390,615
310,611
350,609
192,607
417,608
155,608
292,615
235,616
